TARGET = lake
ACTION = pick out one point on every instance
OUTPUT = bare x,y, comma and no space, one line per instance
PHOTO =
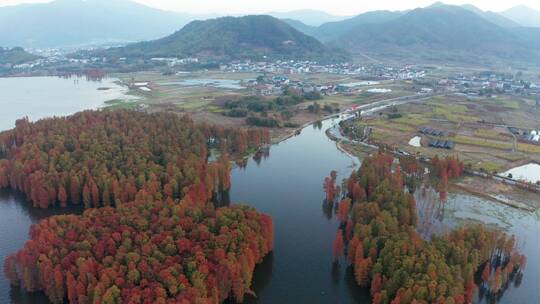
358,84
529,173
217,83
379,90
287,184
416,141
463,209
40,97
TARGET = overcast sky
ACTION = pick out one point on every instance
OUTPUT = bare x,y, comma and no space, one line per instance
337,7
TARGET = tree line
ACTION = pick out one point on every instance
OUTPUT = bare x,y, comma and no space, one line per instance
101,158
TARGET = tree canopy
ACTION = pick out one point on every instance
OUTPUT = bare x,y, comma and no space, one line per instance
100,158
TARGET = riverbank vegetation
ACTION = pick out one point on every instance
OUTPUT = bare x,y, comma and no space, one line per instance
157,236
271,112
389,256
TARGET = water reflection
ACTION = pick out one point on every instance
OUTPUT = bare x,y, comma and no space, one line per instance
328,209
34,214
336,273
222,199
242,163
430,209
260,155
19,296
261,277
492,291
16,216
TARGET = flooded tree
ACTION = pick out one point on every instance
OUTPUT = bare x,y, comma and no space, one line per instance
393,251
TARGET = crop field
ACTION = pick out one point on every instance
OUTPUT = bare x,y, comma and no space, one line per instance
204,95
476,126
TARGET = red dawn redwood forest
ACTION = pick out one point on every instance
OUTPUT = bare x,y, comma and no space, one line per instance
101,158
157,238
377,237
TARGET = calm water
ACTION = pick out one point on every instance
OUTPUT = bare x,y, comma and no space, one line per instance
217,83
528,172
40,97
462,209
287,184
360,83
16,216
416,141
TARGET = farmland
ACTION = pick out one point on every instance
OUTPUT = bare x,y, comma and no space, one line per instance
478,127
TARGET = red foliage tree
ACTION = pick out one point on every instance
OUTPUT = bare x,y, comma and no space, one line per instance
339,244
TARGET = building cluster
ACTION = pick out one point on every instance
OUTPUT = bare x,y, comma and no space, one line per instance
272,85
433,132
526,135
490,83
173,61
442,144
275,85
436,143
372,71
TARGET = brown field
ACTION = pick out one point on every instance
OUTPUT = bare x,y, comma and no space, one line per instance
206,103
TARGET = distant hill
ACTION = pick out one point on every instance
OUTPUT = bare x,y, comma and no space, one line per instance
302,27
229,38
15,56
331,30
308,17
439,32
64,23
492,17
530,36
523,15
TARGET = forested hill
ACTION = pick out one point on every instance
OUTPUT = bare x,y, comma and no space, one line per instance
443,32
230,38
438,32
15,56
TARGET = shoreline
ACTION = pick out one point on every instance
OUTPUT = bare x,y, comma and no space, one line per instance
484,195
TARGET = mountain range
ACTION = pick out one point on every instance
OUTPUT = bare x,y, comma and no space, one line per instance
308,17
331,30
66,23
230,38
493,17
523,15
441,32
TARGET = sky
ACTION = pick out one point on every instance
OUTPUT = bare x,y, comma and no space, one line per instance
335,7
